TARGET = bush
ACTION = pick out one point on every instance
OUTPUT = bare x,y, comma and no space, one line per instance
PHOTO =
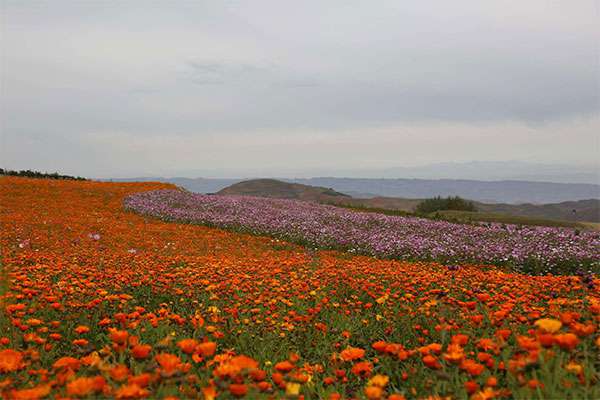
449,203
36,174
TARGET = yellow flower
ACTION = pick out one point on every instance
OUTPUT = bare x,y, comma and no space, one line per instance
574,368
292,389
379,380
548,325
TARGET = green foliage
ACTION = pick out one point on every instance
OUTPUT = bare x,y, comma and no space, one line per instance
449,203
37,174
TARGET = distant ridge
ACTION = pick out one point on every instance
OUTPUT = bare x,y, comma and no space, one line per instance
511,192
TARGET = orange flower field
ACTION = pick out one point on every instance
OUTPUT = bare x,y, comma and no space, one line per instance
100,302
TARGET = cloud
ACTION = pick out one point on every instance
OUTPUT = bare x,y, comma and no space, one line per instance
270,69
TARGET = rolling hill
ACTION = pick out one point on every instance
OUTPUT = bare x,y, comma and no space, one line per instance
283,190
510,192
573,211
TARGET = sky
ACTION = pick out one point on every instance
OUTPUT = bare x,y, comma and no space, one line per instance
116,89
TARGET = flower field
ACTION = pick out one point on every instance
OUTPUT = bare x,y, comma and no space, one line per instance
531,249
99,301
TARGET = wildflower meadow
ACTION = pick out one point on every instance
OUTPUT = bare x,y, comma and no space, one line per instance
140,290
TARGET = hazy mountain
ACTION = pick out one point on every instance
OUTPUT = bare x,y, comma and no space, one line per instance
485,191
501,170
474,170
198,185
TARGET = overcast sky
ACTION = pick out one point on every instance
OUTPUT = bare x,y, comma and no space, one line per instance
122,88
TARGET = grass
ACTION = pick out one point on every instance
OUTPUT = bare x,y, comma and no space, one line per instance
475,216
470,217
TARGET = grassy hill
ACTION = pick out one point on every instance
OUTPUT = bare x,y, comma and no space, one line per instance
586,214
283,190
582,210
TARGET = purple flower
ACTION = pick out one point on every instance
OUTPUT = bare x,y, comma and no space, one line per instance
323,226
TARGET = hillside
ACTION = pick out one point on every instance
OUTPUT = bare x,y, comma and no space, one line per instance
510,192
283,190
536,214
513,192
582,210
108,284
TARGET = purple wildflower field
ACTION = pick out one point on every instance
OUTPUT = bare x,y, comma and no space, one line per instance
545,249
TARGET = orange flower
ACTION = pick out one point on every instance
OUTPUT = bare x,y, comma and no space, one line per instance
188,346
141,380
34,393
141,351
169,363
258,375
67,363
118,337
131,391
209,392
567,341
92,360
582,330
486,344
84,386
460,339
81,329
247,285
454,354
380,346
527,343
373,392
471,387
119,372
534,383
284,366
431,362
10,360
263,386
472,367
491,381
244,362
207,349
362,368
352,353
238,390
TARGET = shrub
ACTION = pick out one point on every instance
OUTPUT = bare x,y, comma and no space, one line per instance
36,174
449,203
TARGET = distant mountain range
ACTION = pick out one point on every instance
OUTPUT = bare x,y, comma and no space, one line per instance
494,171
512,192
472,170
